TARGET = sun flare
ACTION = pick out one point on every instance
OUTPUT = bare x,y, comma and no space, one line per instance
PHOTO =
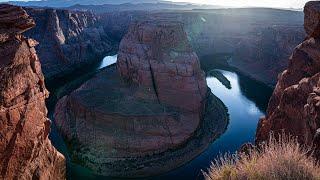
251,3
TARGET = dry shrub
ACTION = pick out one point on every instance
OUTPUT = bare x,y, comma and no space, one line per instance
277,159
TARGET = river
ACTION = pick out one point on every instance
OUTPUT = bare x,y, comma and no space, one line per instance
244,116
246,100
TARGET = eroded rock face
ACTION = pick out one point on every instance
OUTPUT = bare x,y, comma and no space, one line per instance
158,56
294,105
312,19
68,40
149,114
260,46
25,150
264,54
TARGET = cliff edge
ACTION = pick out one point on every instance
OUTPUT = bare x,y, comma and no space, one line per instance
25,150
294,105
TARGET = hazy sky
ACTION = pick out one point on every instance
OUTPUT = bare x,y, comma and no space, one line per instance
255,3
244,3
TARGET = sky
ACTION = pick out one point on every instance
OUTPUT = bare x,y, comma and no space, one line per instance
296,4
252,3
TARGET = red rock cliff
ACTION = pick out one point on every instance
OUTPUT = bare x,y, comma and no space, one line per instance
25,150
159,56
295,104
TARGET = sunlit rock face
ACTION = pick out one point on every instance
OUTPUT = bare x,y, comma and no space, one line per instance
294,106
147,115
25,150
68,40
158,56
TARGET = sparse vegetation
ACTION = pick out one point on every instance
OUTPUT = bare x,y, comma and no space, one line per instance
277,159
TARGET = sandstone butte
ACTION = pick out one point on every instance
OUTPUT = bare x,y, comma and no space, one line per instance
294,107
150,113
25,150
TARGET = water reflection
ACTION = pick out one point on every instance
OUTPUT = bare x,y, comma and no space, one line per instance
244,115
108,60
245,99
255,91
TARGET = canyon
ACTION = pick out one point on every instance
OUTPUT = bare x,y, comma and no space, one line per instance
258,48
68,40
153,110
25,150
144,125
294,106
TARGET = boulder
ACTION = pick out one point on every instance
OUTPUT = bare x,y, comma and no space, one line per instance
13,21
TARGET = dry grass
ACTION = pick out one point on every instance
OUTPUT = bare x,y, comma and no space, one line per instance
276,160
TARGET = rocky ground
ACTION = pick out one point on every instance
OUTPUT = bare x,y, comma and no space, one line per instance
25,150
294,106
143,122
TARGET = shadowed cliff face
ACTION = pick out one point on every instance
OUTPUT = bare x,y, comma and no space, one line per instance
25,150
68,40
259,40
294,106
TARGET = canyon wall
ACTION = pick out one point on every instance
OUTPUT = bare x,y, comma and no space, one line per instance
259,45
158,113
68,40
294,105
259,40
25,150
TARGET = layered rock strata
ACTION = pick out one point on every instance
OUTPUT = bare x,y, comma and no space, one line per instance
294,105
25,150
159,57
259,48
68,40
150,114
